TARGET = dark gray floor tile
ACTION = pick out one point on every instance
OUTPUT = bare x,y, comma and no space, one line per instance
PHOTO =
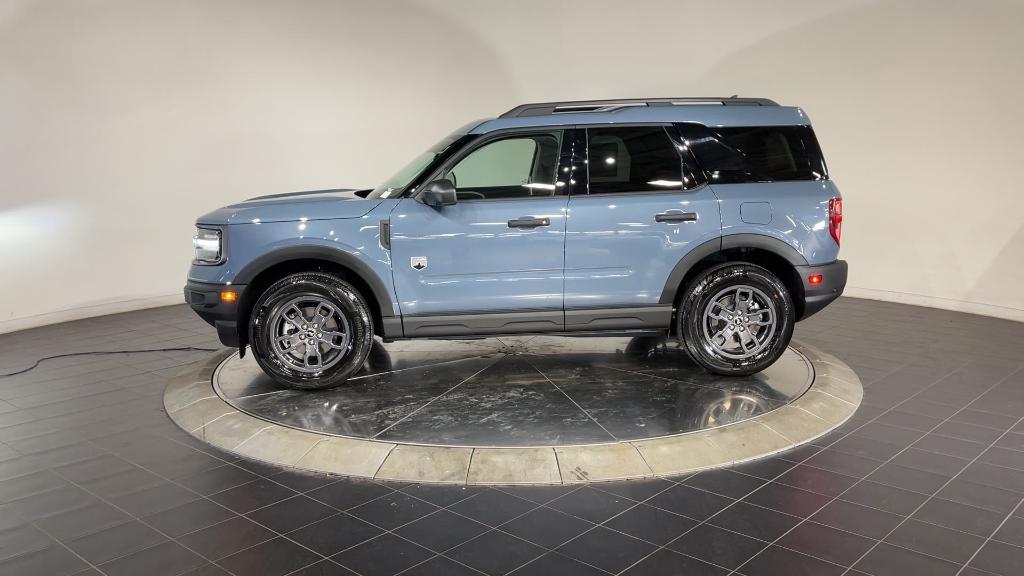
718,546
999,558
116,541
958,516
754,521
220,540
555,563
1011,532
667,563
888,560
883,497
442,530
52,561
788,499
440,566
445,495
327,568
393,510
493,507
546,527
334,534
188,517
256,494
935,541
690,502
607,549
651,524
169,558
817,480
271,558
385,554
826,543
776,560
292,513
862,520
349,494
987,497
725,482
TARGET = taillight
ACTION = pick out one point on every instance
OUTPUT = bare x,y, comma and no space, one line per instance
835,218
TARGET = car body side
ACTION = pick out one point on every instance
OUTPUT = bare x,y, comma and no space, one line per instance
782,226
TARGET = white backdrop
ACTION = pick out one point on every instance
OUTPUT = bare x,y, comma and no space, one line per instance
123,120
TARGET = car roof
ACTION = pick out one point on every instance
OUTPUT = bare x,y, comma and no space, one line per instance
708,111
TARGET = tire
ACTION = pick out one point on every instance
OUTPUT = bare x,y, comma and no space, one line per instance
333,313
741,348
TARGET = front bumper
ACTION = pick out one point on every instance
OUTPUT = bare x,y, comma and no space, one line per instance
817,296
205,300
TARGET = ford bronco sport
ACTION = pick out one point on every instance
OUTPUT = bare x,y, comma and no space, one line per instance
709,219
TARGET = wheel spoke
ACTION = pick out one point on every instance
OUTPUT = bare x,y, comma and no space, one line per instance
312,351
738,322
329,339
323,312
722,315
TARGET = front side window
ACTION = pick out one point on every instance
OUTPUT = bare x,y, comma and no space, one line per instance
632,159
519,166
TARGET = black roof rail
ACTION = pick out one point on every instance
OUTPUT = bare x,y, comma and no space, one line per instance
545,108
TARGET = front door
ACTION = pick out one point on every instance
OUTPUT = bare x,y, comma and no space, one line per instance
492,263
645,206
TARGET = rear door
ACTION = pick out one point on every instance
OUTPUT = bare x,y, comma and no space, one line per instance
492,262
642,207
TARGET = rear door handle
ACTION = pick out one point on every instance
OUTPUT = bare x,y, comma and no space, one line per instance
529,222
675,216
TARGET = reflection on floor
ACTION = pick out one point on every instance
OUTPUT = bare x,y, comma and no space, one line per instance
926,478
519,391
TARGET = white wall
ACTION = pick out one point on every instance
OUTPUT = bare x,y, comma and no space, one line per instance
122,120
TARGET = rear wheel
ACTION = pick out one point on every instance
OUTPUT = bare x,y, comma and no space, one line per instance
310,330
736,319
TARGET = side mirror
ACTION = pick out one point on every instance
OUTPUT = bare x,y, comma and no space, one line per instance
439,193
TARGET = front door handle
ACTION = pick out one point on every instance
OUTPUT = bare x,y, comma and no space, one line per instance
529,222
675,216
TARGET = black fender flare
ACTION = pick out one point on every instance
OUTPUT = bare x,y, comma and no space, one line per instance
702,251
339,257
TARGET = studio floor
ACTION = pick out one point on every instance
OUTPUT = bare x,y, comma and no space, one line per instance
927,477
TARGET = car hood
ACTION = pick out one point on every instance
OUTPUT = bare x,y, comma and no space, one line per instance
293,206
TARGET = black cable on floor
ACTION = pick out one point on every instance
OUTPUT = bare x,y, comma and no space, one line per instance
101,352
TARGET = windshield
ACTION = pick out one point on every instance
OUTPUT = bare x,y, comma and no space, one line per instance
393,186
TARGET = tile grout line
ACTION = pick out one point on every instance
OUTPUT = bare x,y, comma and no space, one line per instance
990,536
877,468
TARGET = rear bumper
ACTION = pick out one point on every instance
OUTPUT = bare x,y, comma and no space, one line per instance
205,301
817,296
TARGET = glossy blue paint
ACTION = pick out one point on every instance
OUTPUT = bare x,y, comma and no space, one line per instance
475,261
319,205
616,254
799,214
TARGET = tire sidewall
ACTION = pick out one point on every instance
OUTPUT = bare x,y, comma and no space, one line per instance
698,295
341,294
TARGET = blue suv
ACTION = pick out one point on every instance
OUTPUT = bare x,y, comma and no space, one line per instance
709,219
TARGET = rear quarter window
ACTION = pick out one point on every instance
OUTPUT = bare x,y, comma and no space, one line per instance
756,153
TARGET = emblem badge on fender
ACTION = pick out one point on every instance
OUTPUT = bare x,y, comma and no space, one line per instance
418,262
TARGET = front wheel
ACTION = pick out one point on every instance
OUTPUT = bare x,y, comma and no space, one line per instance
735,319
310,331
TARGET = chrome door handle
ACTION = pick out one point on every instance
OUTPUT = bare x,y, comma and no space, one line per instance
676,217
528,222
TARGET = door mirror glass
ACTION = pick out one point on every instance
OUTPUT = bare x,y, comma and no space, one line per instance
439,193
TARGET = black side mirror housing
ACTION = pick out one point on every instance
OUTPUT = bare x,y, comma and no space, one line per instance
439,193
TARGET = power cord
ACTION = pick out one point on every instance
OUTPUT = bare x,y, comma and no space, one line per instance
102,352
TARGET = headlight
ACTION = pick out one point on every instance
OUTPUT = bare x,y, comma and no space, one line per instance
207,244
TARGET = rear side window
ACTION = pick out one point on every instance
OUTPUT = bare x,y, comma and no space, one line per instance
756,154
632,159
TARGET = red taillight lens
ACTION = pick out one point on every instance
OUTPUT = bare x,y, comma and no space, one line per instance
815,279
835,218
